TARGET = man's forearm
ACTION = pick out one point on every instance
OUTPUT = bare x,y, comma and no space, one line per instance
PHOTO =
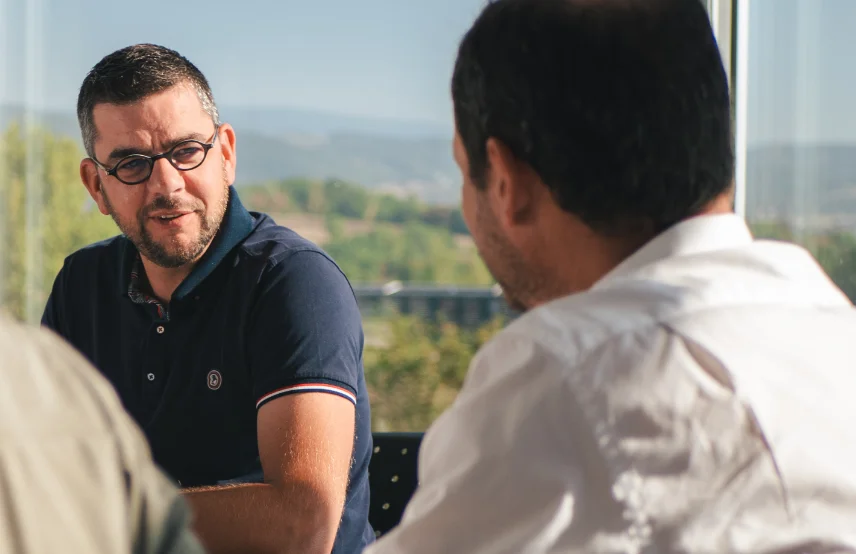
259,518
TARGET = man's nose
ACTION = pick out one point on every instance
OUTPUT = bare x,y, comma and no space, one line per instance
165,179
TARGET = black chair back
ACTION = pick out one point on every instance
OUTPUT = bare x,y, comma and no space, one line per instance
392,477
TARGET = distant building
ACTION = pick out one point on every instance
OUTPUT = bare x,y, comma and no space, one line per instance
465,306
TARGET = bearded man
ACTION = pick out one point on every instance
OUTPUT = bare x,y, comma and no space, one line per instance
234,343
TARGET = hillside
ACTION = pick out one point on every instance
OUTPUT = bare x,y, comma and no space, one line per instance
788,181
315,227
413,157
374,237
278,122
403,157
420,166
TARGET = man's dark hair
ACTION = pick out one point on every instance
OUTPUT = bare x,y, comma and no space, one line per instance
621,106
132,74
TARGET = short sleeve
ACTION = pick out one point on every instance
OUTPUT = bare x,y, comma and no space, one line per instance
305,333
52,316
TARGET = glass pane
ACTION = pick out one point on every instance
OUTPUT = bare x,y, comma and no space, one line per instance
344,123
801,128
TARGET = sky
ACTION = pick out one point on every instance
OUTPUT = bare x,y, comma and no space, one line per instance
802,75
393,58
384,58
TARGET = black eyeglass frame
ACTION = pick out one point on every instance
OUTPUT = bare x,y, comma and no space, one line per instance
150,160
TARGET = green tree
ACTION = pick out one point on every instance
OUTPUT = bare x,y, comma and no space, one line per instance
274,197
412,253
316,201
417,373
298,191
335,226
345,199
350,201
397,210
46,215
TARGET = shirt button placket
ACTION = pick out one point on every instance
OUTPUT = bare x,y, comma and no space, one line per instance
160,329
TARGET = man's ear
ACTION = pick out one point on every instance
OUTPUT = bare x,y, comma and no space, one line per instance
228,151
92,181
510,184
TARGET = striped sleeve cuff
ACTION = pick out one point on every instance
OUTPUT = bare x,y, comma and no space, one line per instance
307,387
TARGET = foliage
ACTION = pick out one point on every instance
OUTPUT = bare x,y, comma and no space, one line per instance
416,375
45,213
415,253
348,200
405,239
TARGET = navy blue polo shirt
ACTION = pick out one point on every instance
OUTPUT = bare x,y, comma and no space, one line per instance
265,313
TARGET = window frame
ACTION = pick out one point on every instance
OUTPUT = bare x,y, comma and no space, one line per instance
730,21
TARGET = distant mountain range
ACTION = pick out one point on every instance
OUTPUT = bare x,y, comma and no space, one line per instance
789,181
293,121
404,157
785,181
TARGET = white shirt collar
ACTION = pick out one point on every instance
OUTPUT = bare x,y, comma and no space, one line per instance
704,233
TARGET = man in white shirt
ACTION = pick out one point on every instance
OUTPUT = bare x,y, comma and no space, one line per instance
76,473
674,385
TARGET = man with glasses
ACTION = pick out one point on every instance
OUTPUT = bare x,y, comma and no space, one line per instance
233,342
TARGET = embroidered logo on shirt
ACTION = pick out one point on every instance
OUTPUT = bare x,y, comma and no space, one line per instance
214,379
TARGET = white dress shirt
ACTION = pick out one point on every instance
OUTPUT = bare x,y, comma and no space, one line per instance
701,397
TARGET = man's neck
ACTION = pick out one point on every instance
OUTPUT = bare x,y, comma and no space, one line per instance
576,271
565,272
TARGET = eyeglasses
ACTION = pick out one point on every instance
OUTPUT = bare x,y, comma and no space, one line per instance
184,156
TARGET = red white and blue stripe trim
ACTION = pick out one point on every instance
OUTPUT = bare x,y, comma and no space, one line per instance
308,387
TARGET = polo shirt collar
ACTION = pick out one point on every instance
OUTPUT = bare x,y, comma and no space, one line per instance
237,225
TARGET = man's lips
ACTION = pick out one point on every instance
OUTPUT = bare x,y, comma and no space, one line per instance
174,220
170,215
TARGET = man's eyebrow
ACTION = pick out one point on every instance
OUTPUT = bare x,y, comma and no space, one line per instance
122,151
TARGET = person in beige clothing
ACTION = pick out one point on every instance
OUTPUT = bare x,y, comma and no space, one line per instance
76,474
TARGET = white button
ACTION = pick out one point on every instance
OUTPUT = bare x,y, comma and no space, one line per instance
160,329
151,376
